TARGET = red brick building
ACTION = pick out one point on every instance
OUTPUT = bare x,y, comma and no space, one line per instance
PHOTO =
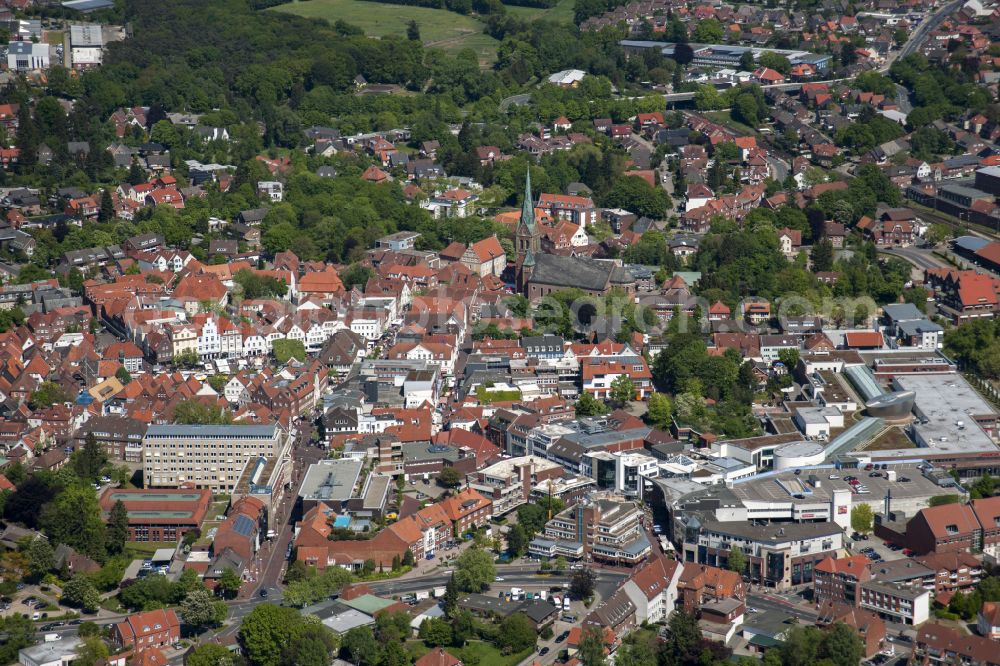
153,629
159,515
838,580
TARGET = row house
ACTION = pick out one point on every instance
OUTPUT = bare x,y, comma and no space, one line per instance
152,629
578,210
599,374
423,533
440,353
965,295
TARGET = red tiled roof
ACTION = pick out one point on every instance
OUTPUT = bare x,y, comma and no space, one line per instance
863,339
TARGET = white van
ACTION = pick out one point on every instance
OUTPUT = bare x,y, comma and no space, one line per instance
566,602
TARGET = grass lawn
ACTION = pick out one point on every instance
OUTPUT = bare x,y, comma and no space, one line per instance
485,654
562,12
142,549
474,652
723,118
439,28
54,37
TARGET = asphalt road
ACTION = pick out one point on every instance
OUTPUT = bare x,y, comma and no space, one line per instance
519,100
920,34
922,259
764,601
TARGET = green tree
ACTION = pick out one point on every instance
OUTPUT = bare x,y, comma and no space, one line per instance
638,196
582,582
41,557
314,646
622,389
821,256
435,632
474,570
18,632
122,375
90,460
200,610
449,477
107,211
842,646
47,394
362,647
80,592
938,233
186,359
267,632
356,275
776,61
74,518
229,583
284,350
117,528
862,518
801,646
591,650
684,641
737,560
413,31
709,31
517,633
517,541
660,411
531,518
983,487
210,654
588,405
92,652
195,412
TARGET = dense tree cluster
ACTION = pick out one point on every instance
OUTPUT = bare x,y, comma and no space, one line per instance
941,92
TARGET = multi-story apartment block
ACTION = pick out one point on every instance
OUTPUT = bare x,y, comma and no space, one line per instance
938,644
904,604
604,530
625,472
653,589
208,456
508,483
777,555
838,580
120,436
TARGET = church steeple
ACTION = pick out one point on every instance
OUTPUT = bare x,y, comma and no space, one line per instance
528,206
528,238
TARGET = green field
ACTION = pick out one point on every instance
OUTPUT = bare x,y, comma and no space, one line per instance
439,28
562,12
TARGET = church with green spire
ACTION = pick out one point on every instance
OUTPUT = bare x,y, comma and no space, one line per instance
527,238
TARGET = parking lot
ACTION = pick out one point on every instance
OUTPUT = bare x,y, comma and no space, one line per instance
877,547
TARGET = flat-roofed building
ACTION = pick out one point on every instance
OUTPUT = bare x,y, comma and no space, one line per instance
508,483
952,416
777,556
208,456
331,482
905,604
605,530
159,515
